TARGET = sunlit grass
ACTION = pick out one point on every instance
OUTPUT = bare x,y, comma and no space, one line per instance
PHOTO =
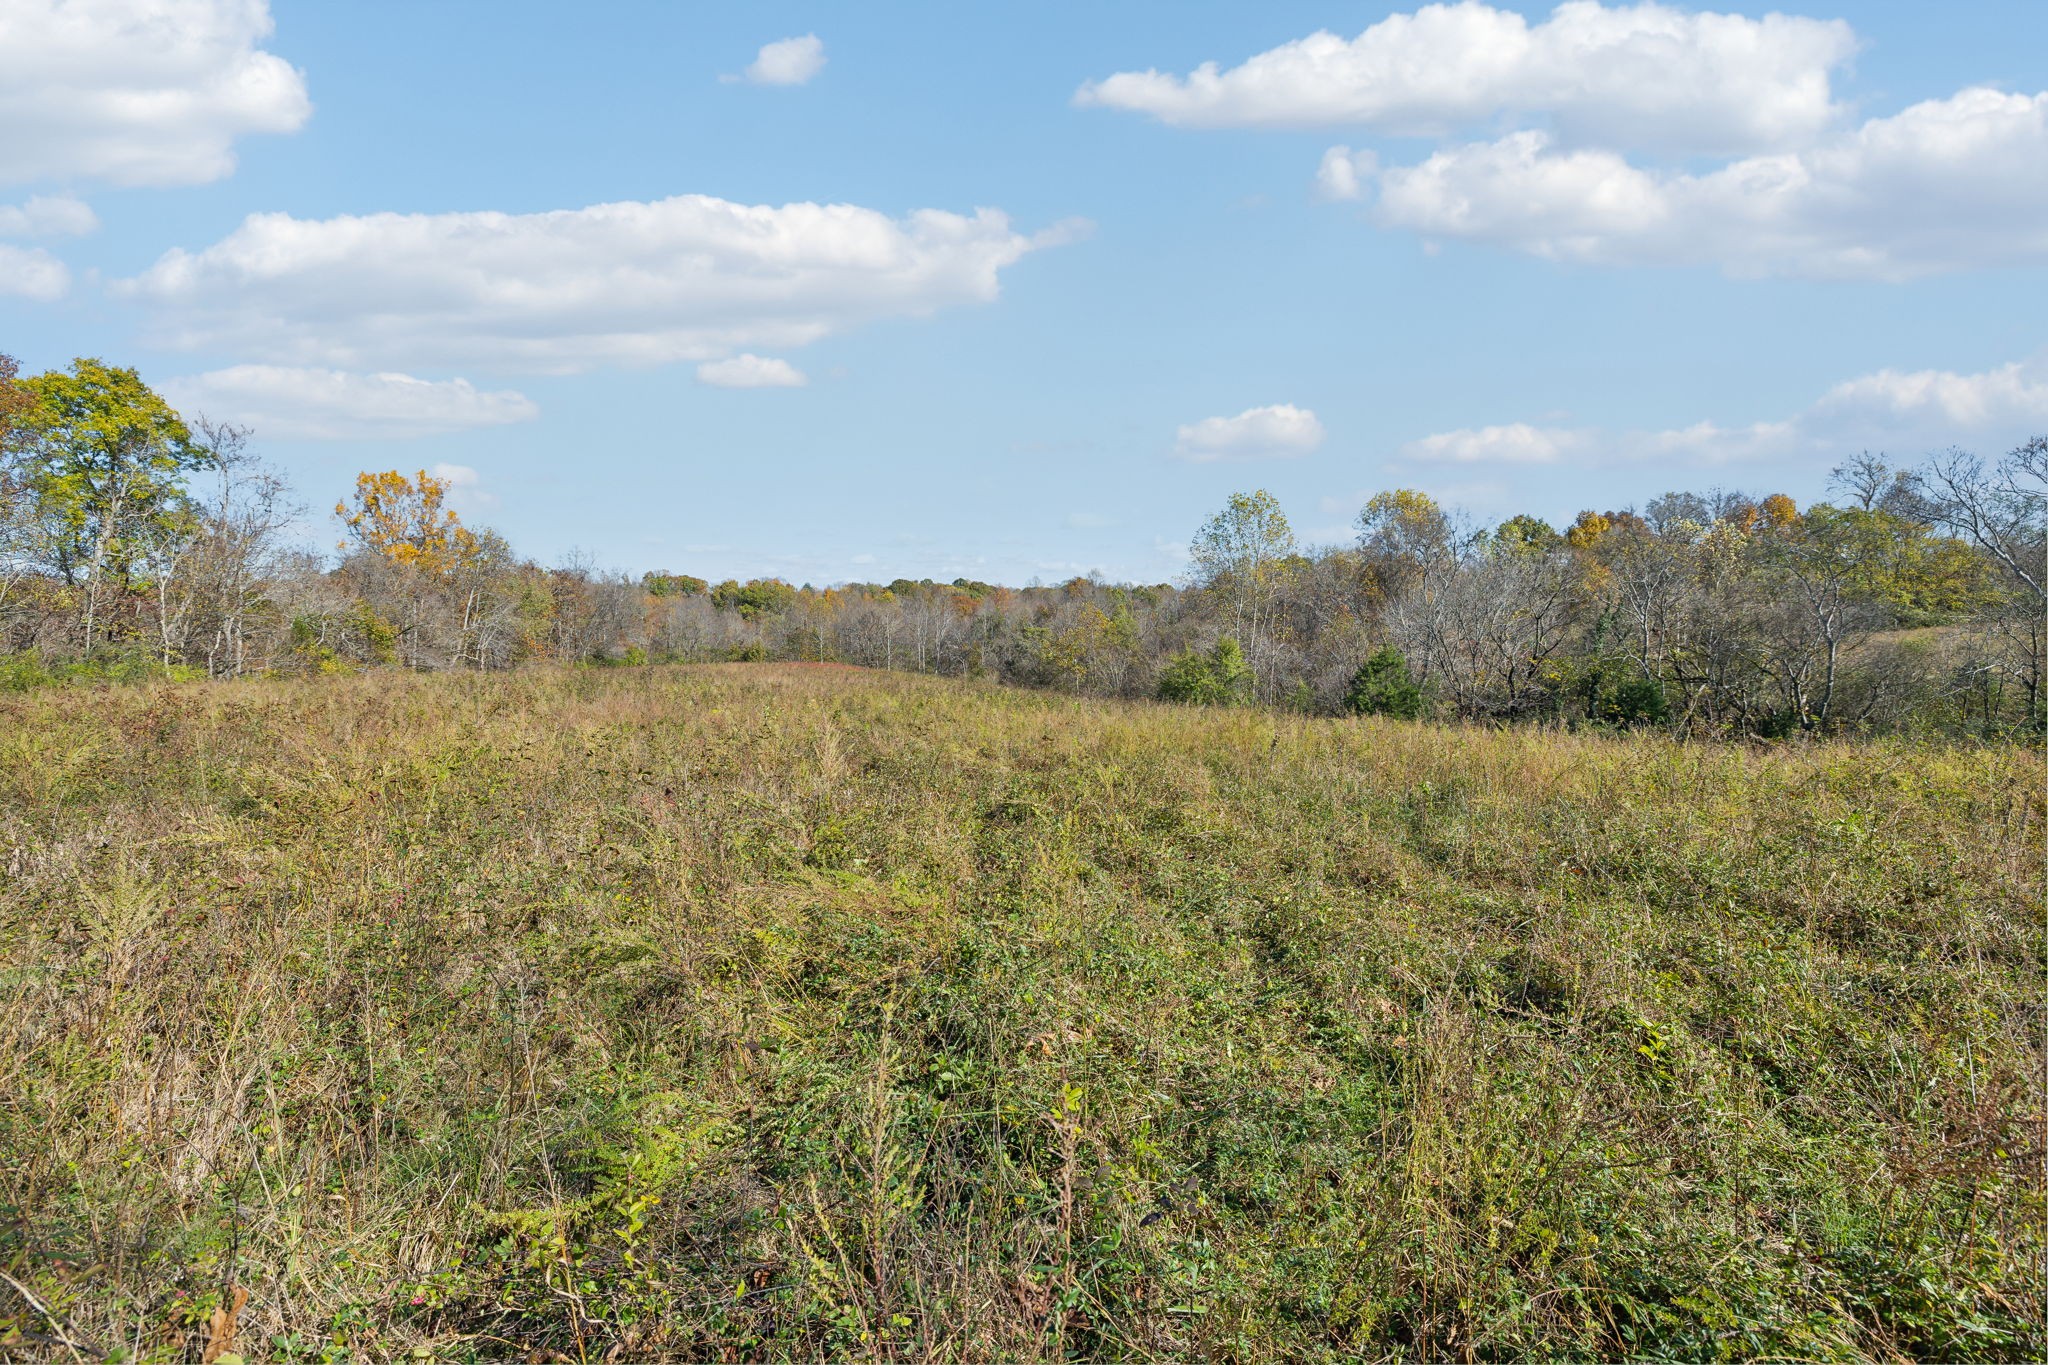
753,1011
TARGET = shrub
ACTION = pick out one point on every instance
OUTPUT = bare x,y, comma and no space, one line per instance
1219,678
1637,701
1383,687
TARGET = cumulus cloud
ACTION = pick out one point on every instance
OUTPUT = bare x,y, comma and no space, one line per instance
1902,411
1275,432
1516,443
688,278
1634,75
48,216
1947,184
1944,185
751,372
332,405
792,61
138,92
2012,396
32,273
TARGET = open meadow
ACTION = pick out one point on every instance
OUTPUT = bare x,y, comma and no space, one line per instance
778,1012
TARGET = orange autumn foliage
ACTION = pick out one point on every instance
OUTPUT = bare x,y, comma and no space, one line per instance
406,520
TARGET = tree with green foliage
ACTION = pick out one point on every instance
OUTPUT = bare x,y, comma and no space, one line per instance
1383,687
20,529
1525,535
105,460
15,400
1243,553
1635,700
1219,678
673,585
755,598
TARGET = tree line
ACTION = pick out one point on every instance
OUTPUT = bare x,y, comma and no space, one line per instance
134,541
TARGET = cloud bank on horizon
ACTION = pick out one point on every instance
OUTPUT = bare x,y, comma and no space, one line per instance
1871,409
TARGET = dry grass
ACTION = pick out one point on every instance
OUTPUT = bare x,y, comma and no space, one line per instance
762,1012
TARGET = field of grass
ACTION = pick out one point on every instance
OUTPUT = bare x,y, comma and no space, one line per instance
758,1012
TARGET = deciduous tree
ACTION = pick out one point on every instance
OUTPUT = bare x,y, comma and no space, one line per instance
105,463
407,521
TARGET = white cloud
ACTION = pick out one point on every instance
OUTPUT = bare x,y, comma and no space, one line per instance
751,372
1947,184
138,92
32,273
2014,396
688,278
1256,433
1344,173
792,61
1516,443
1636,75
1903,412
1944,185
331,405
47,216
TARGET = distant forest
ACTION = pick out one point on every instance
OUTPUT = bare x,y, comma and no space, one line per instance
135,543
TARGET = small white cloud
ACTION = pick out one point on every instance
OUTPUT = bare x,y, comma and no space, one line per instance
32,273
1344,174
792,61
138,92
48,216
1631,75
751,372
1275,432
331,405
1516,443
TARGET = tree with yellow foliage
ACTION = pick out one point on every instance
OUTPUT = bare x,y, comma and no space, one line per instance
1585,533
406,521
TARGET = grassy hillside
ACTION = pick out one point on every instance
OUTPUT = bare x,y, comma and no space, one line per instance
759,1012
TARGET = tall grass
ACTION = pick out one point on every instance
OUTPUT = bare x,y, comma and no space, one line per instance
733,1013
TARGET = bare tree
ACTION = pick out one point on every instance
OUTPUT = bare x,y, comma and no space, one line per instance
2003,511
210,584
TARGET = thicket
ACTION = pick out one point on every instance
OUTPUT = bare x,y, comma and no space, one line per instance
789,1013
131,540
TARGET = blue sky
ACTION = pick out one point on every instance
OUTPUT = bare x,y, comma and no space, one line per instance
1522,260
